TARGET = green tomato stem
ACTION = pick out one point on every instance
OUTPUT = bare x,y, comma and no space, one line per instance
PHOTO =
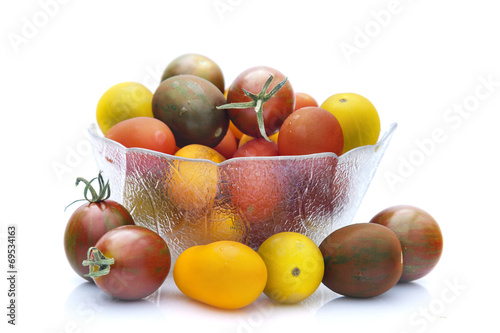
103,194
257,103
96,258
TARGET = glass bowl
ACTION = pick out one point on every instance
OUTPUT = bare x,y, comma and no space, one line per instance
192,202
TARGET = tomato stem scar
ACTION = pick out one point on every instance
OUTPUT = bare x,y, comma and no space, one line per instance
296,271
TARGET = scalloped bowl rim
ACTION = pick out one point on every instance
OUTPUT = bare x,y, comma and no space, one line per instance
95,131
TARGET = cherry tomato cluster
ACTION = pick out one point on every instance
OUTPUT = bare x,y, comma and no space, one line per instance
103,244
259,114
130,262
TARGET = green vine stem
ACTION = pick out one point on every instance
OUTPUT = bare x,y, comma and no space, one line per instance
257,103
96,258
97,196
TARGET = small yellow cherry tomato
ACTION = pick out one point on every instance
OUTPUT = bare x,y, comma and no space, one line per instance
224,274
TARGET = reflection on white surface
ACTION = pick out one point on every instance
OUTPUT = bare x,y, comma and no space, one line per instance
87,307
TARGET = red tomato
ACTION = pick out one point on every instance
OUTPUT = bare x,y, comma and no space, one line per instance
257,147
274,111
228,146
303,100
132,261
255,188
90,222
143,132
310,130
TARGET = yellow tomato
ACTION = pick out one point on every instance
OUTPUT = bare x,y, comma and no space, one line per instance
295,267
225,274
358,119
194,183
245,138
123,101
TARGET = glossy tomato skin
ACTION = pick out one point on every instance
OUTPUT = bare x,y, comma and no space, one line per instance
361,260
187,104
143,132
420,235
303,100
195,64
310,130
275,110
141,262
257,147
87,225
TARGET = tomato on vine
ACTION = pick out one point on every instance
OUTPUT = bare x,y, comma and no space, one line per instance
91,221
259,100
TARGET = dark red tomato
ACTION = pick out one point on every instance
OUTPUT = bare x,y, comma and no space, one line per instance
257,147
361,260
140,262
188,105
310,130
143,132
420,237
275,110
256,191
228,146
195,64
87,224
303,100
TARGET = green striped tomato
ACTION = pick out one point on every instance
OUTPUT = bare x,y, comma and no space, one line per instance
91,221
420,237
87,225
361,260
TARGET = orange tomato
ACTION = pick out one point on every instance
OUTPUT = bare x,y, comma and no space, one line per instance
194,183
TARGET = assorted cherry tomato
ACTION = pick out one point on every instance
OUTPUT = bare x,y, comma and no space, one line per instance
91,221
194,117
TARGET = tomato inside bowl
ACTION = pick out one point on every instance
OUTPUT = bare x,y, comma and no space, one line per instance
245,199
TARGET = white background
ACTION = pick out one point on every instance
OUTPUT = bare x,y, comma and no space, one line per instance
424,64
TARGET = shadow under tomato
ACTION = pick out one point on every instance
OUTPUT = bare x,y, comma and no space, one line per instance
87,306
390,308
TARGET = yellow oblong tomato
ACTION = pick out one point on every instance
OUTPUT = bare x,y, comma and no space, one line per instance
224,274
358,119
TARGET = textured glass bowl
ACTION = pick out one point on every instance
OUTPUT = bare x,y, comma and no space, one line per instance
192,202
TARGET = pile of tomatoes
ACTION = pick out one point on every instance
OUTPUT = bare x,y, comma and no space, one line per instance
259,114
191,114
130,262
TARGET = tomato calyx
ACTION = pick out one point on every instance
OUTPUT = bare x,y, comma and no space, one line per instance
102,194
96,258
257,103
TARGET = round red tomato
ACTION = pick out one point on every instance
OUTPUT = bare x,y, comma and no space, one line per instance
129,262
303,100
257,147
143,132
274,110
310,130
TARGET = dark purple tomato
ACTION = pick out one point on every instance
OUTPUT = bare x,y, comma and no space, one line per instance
140,262
187,104
420,237
275,110
87,224
361,260
195,64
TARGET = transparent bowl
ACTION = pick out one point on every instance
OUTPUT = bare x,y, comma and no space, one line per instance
191,202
